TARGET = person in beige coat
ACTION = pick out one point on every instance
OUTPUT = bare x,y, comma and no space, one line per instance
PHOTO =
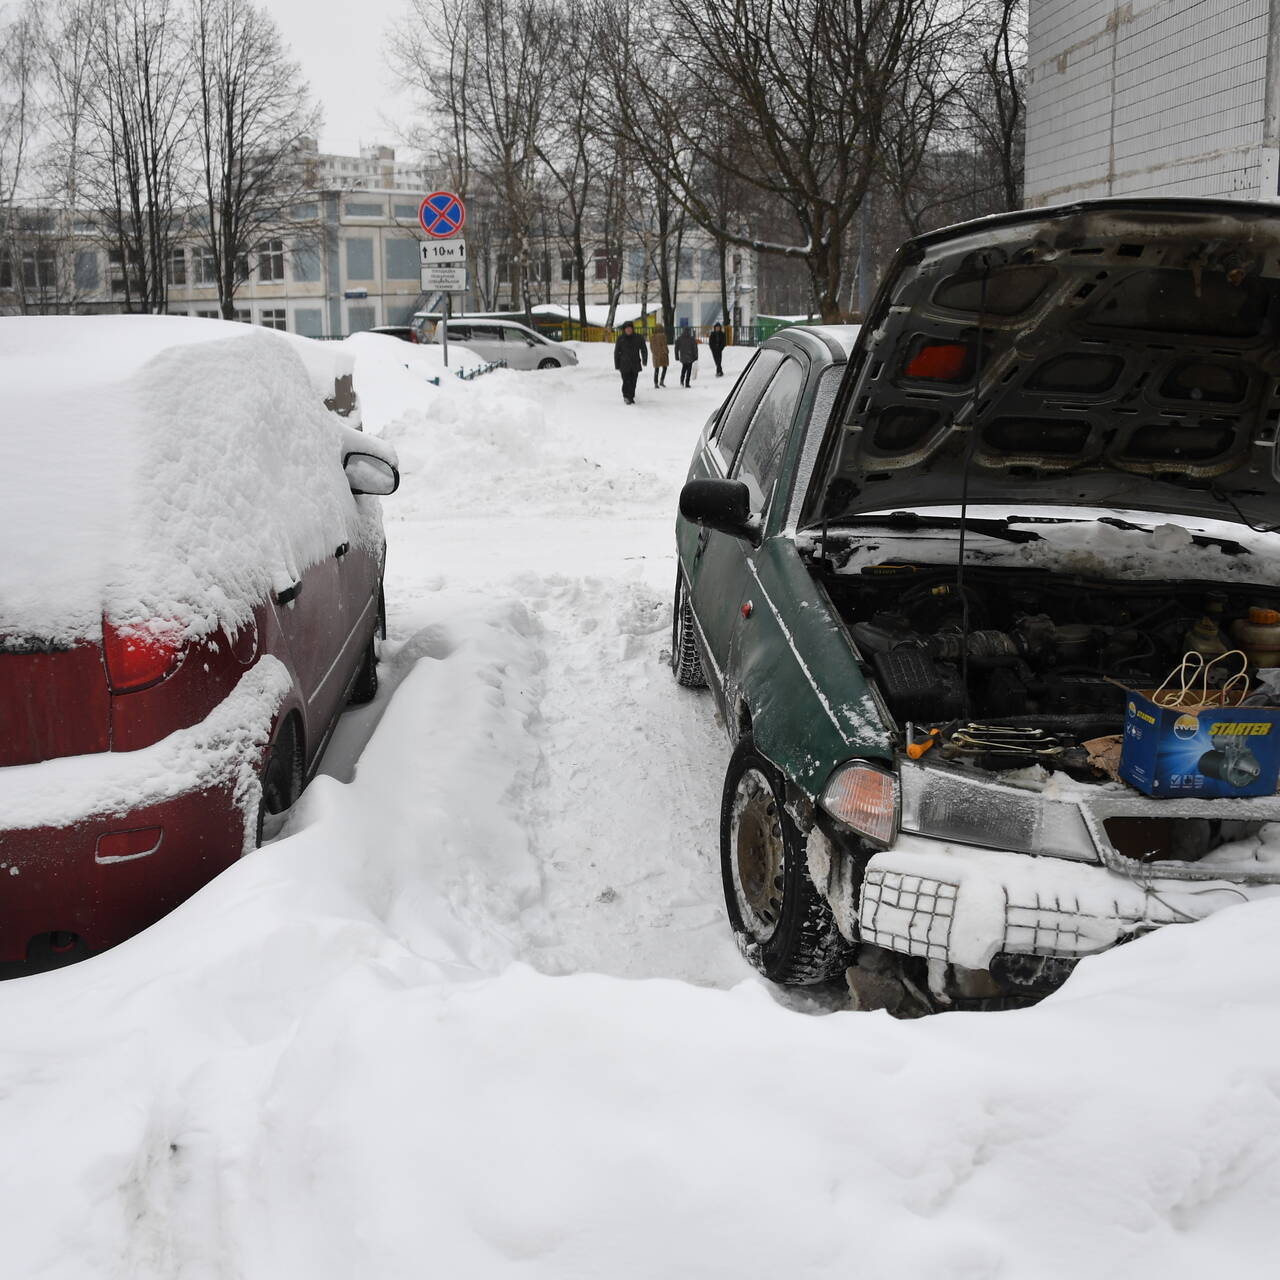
658,356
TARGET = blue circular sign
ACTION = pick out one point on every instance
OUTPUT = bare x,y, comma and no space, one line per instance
442,215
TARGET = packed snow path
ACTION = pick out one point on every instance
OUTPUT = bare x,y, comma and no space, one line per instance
350,1056
567,506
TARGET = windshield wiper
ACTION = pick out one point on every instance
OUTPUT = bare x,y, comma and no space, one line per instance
909,521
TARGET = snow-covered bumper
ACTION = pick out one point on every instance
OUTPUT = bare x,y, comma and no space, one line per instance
96,847
1067,891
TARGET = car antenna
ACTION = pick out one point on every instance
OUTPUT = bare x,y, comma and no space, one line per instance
964,486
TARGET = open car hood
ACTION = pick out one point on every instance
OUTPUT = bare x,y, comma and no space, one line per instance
1119,353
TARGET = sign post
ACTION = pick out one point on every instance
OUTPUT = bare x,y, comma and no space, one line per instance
444,257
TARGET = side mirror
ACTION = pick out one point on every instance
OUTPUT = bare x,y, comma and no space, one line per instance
722,505
367,473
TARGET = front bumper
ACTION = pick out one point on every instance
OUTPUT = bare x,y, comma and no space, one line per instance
199,786
964,906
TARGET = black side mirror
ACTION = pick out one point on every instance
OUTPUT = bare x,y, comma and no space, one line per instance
723,505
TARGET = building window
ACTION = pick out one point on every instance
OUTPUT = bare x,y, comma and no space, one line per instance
86,270
206,315
271,260
115,261
306,263
177,266
711,264
359,319
309,321
244,317
242,268
568,269
504,268
403,259
365,209
359,258
203,267
39,268
602,263
305,212
274,318
688,266
407,211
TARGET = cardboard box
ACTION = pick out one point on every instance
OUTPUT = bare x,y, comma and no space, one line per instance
1204,751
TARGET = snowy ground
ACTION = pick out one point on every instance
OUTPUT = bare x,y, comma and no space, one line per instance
477,1013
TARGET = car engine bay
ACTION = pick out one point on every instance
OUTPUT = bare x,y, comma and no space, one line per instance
1019,666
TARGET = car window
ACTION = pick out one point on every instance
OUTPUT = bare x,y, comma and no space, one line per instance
487,332
761,452
740,410
459,332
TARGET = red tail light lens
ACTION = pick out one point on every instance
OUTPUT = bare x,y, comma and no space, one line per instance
940,362
140,655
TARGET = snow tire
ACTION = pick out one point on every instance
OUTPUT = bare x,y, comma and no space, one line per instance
281,781
686,662
782,924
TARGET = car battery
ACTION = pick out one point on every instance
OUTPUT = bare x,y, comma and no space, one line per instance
1196,750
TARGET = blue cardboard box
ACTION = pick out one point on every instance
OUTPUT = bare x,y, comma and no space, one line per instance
1203,751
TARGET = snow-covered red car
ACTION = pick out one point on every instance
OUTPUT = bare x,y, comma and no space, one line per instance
190,596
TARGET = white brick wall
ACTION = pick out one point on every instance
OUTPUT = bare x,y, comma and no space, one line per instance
1145,97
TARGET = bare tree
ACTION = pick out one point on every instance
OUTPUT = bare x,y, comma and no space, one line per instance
995,95
18,109
810,82
489,66
250,119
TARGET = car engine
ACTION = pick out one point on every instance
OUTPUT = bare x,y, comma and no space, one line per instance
1025,661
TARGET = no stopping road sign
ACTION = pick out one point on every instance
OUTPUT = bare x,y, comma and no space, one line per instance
442,215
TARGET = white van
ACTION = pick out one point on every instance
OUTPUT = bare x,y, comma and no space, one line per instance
518,345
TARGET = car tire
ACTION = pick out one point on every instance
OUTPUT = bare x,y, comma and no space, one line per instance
782,925
686,662
365,688
281,780
548,363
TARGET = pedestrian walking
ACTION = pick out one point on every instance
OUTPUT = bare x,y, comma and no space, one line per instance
687,354
715,341
658,352
630,355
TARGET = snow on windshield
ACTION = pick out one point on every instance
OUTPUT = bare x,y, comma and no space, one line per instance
165,468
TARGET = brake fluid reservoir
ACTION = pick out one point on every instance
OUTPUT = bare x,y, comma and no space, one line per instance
1259,636
1204,638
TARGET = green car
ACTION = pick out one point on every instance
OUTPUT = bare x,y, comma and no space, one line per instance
924,565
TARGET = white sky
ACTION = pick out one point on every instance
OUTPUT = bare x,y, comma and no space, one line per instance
341,49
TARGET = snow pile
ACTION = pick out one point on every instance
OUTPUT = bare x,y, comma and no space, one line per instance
349,1055
166,468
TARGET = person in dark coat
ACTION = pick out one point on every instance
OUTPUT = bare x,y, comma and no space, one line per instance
658,350
687,354
715,341
630,355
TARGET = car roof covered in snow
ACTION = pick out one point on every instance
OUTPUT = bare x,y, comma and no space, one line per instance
160,467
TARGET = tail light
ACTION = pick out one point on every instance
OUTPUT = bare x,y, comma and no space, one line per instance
140,655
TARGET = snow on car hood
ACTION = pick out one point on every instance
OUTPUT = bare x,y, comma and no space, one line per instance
165,468
1111,354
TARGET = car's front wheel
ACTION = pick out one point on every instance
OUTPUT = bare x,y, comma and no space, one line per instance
783,926
548,363
686,662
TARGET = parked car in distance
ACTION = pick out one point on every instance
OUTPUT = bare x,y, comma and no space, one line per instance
192,597
405,332
920,571
517,344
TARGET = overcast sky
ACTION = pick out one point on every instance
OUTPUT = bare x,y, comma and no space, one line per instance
340,45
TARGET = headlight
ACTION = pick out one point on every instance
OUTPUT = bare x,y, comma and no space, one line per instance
863,798
950,806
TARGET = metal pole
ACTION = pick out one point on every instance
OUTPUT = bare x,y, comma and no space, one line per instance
445,340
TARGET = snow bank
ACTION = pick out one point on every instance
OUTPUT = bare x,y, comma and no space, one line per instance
348,1056
166,468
